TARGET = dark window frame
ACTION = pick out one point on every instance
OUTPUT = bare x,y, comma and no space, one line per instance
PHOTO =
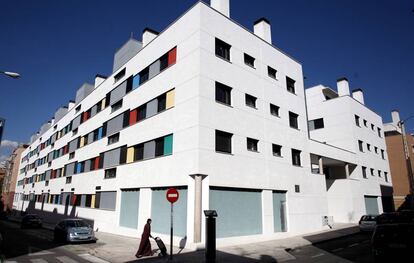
220,137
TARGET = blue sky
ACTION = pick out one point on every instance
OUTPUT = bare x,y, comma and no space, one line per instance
58,45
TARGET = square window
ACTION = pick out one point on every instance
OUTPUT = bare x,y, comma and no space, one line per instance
113,138
120,75
252,144
360,145
365,123
277,150
143,75
78,108
71,155
274,110
316,124
251,101
223,93
249,60
369,147
69,179
372,127
357,121
271,72
376,149
139,152
364,172
293,120
296,157
223,141
159,147
297,188
116,106
379,132
222,49
372,172
110,173
290,84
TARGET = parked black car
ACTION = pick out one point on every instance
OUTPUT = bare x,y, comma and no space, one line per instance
31,220
394,240
393,236
74,230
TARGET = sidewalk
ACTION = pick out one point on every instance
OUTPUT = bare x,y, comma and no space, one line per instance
113,248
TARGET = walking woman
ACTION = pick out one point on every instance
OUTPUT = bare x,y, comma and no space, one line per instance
145,245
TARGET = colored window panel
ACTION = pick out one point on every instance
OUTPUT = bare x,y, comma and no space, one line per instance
133,117
168,144
82,141
135,81
130,155
172,56
93,201
78,168
100,132
97,160
103,103
170,99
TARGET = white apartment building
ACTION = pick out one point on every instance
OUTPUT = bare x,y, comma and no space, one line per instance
362,184
216,111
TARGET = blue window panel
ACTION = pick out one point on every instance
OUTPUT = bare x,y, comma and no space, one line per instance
135,82
100,131
78,168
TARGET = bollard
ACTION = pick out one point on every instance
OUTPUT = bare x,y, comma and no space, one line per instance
210,235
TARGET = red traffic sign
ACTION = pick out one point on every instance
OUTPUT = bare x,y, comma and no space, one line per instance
172,195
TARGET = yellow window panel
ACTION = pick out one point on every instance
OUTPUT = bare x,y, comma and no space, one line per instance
170,99
50,199
93,201
82,142
63,171
130,155
103,103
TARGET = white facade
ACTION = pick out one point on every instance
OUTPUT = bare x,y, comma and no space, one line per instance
264,196
341,115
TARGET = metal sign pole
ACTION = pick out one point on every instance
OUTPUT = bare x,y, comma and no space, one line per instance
171,237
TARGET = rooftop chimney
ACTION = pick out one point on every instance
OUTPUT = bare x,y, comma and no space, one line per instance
148,35
99,79
223,6
125,53
262,29
395,115
71,104
358,94
343,87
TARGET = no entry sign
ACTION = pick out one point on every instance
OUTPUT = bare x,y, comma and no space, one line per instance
172,195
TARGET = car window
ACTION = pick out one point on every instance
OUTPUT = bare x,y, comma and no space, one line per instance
76,223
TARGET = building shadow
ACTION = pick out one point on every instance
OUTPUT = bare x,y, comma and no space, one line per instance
199,257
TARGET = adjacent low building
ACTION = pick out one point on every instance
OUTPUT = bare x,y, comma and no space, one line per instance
216,111
401,161
10,179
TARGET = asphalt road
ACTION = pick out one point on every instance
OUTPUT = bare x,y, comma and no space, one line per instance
37,246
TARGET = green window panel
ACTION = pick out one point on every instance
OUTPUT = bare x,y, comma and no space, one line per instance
129,208
279,211
239,211
161,210
168,144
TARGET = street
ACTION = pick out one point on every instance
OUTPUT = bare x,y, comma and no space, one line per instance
37,246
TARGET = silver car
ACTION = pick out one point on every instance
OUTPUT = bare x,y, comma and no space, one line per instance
74,230
367,223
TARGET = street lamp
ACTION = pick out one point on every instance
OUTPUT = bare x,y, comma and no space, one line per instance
401,124
11,74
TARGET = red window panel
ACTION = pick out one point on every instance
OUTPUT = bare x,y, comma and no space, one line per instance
133,117
85,116
53,174
172,56
96,167
73,200
66,149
